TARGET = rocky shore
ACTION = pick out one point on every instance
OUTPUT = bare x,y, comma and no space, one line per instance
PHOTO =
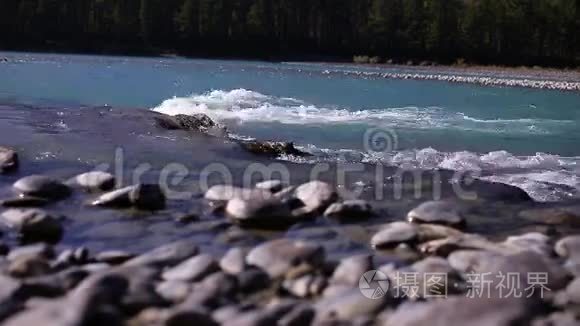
282,254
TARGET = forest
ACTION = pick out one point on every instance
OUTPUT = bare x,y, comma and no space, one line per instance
505,32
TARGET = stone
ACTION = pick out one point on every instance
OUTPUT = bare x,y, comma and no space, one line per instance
253,279
10,290
42,186
42,251
115,198
25,202
298,316
276,257
94,181
394,234
349,210
33,224
573,291
234,261
185,317
271,148
536,242
261,213
436,212
8,160
28,267
173,291
166,255
193,269
348,305
197,122
568,247
227,192
553,216
272,186
351,269
558,319
460,311
305,286
147,196
468,261
114,257
219,285
316,196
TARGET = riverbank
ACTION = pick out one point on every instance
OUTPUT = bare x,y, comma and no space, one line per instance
124,246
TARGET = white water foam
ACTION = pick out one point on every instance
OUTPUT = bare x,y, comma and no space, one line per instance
243,105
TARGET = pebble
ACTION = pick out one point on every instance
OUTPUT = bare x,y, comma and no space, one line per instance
536,242
573,291
306,286
568,247
316,196
272,186
436,212
349,210
41,250
193,269
94,181
260,212
348,305
394,234
42,186
173,291
114,257
115,198
227,192
234,261
8,160
28,267
300,315
33,224
253,279
166,255
350,270
147,196
276,257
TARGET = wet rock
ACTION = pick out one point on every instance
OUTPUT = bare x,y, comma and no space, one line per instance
553,216
114,257
141,291
227,192
33,224
272,149
349,210
436,212
475,312
8,160
316,196
94,181
197,122
234,261
443,247
394,234
276,257
42,186
219,285
261,213
42,251
270,185
306,286
166,255
10,290
116,198
430,232
253,279
71,257
193,269
173,291
347,306
495,191
569,247
147,196
468,261
351,269
25,201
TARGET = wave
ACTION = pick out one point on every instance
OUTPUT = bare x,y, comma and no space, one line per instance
246,106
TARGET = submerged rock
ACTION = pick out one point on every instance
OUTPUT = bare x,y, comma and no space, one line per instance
8,160
273,149
33,224
197,122
42,186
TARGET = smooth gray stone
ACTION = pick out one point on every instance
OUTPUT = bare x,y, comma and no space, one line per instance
305,286
40,250
227,192
270,185
301,315
349,210
193,269
94,181
348,305
166,255
351,269
234,261
316,195
276,257
253,279
394,234
174,291
114,257
115,198
261,213
436,212
42,186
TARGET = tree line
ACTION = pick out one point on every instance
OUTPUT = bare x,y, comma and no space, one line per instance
514,32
